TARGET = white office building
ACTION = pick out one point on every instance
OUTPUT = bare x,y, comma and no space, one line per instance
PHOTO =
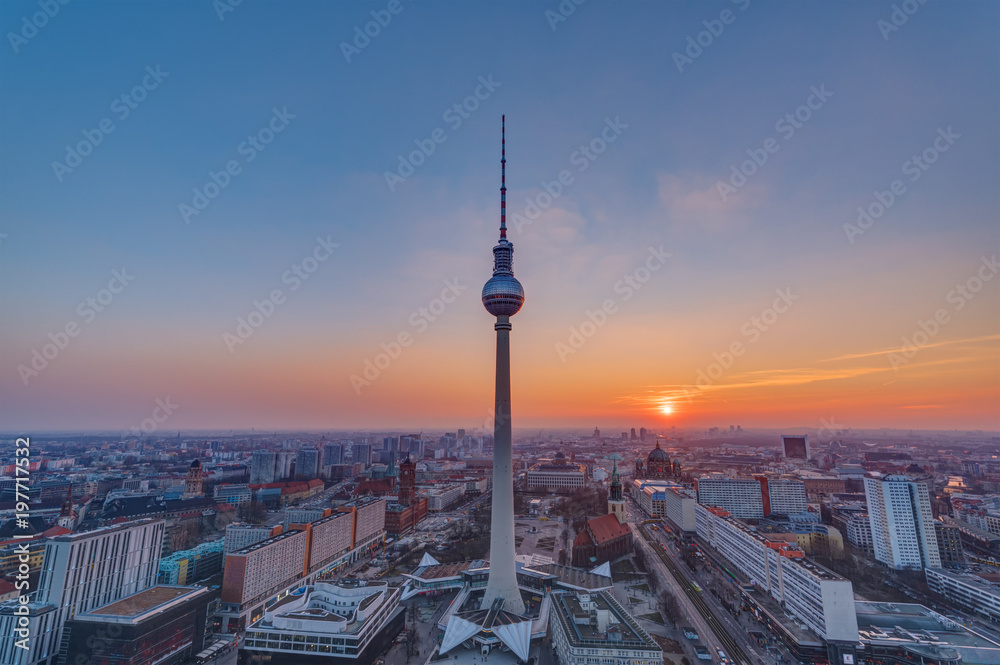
902,525
968,591
741,497
818,598
81,572
555,477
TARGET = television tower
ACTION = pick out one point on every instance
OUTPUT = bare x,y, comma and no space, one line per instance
503,297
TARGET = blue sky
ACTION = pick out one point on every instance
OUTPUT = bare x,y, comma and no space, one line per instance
323,175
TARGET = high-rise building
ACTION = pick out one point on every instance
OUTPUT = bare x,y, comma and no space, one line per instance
333,453
81,572
307,464
633,436
795,447
503,297
642,433
283,462
262,467
362,453
753,498
902,524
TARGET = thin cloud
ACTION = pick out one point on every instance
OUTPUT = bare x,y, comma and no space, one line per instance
895,349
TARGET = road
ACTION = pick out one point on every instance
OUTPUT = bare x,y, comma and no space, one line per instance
716,628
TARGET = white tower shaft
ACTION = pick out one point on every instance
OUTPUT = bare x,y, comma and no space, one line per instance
503,574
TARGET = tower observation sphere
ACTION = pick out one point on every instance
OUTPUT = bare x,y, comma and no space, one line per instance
503,294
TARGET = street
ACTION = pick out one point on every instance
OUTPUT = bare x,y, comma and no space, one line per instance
717,629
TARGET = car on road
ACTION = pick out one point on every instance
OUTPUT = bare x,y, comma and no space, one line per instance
722,655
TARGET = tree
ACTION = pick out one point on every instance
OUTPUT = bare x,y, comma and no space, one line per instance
411,643
253,512
639,556
669,607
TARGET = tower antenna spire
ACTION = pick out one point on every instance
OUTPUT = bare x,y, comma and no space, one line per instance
503,177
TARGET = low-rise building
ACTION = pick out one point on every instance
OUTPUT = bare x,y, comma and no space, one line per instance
590,628
193,565
240,536
979,594
328,623
558,476
163,624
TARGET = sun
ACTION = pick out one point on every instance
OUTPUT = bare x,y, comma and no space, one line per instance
666,409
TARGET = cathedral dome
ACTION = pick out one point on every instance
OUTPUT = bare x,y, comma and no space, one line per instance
658,454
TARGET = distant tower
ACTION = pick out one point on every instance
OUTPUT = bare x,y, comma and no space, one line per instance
391,474
597,433
633,434
407,482
67,518
192,484
616,504
642,433
503,297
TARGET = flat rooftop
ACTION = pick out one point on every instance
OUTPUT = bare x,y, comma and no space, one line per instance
574,577
144,601
581,632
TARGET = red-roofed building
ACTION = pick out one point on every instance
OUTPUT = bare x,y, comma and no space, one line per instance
601,539
369,487
7,591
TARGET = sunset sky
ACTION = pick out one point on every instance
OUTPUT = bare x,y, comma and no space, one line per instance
670,120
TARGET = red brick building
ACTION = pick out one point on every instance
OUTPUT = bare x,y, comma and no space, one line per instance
601,539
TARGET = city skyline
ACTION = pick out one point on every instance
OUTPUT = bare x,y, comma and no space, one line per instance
763,298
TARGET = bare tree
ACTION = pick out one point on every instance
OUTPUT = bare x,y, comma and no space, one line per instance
669,607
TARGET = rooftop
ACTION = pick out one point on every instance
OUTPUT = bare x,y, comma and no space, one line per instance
145,601
623,632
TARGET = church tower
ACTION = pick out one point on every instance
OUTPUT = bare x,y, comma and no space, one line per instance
192,484
616,503
407,482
